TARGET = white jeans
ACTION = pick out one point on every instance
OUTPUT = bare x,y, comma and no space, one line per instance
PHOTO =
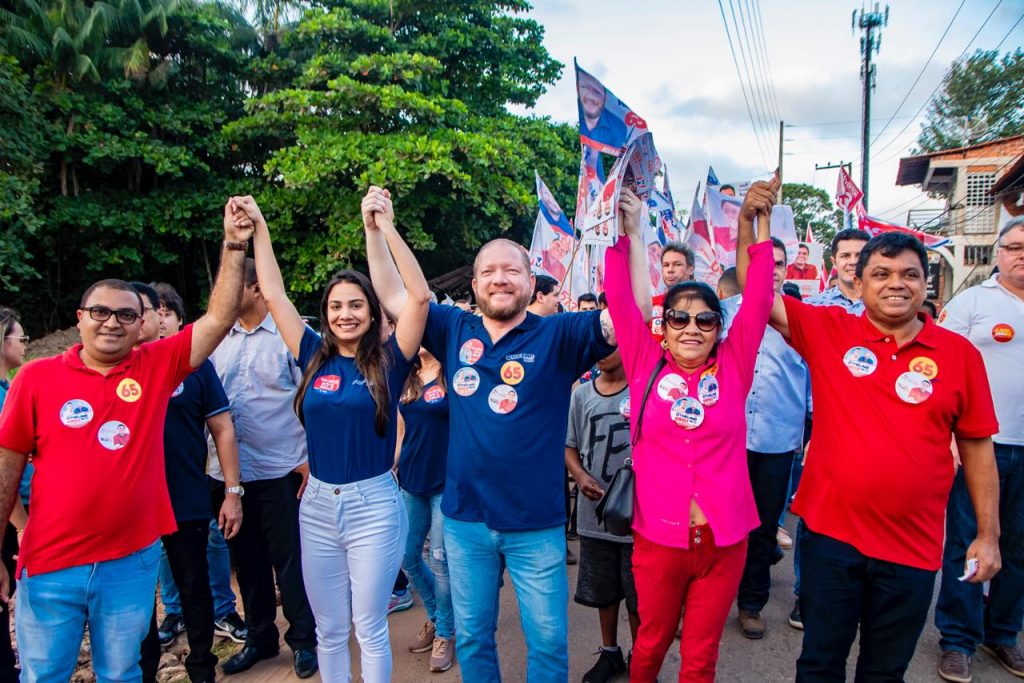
352,539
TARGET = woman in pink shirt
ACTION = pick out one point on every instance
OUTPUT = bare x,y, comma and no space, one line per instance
694,506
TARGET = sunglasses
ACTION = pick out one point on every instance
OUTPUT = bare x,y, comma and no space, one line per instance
679,320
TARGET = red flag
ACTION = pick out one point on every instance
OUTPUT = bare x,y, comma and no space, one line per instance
874,226
707,268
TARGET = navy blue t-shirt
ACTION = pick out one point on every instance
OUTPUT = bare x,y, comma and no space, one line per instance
340,415
424,454
509,408
199,397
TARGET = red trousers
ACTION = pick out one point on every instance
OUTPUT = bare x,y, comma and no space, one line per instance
704,579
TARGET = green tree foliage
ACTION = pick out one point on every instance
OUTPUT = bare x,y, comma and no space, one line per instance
411,96
25,149
139,166
812,206
982,98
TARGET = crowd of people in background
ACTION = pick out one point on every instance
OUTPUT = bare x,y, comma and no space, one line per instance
387,440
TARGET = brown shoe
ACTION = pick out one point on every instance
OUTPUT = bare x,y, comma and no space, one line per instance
752,624
1011,657
441,655
955,666
424,639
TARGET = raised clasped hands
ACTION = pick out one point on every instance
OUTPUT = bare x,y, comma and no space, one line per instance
377,208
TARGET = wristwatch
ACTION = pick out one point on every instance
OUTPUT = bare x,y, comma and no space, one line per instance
237,490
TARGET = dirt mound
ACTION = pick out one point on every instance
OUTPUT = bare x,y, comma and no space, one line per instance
52,344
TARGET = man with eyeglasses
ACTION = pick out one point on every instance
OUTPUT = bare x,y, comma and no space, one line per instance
93,417
776,406
991,316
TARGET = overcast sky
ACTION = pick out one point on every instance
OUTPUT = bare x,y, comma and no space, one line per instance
670,62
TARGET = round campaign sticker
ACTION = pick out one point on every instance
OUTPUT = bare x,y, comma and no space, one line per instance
434,394
672,387
624,407
512,372
178,390
128,390
503,399
707,389
925,366
688,413
466,381
942,316
860,361
114,435
1002,333
471,351
76,413
913,387
327,384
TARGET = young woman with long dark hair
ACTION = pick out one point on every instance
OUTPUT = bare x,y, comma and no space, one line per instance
352,520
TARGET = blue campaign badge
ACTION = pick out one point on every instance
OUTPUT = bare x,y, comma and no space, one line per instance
688,413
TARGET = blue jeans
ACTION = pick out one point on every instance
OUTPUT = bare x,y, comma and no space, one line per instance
116,599
430,580
219,559
961,614
843,589
536,565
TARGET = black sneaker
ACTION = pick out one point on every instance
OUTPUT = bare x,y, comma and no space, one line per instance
169,628
231,626
794,617
608,666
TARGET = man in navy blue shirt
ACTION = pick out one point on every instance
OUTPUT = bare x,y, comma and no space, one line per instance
510,374
197,403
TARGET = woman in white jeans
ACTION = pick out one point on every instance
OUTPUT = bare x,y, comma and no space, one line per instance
352,520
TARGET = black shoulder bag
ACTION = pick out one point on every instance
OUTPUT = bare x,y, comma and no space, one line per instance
615,511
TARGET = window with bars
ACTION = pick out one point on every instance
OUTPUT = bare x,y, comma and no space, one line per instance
976,218
975,255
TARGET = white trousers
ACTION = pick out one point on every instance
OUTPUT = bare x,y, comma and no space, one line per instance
352,539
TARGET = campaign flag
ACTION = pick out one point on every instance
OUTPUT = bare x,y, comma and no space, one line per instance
635,169
554,247
875,226
805,266
706,266
712,178
607,124
724,215
591,181
823,279
663,217
849,198
652,247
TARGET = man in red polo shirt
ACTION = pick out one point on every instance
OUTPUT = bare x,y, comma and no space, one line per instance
890,388
93,418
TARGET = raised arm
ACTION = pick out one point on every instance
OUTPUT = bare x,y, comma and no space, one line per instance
226,297
630,207
979,463
761,197
268,274
387,281
412,316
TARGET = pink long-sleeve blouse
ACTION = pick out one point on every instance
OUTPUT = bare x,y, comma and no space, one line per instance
674,460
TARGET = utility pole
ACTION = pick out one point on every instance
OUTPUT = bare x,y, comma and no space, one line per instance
782,125
871,24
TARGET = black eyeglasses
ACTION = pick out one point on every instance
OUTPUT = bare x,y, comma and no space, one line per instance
678,320
101,314
1013,249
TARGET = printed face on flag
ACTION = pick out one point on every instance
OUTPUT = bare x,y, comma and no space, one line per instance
805,267
606,123
551,210
724,213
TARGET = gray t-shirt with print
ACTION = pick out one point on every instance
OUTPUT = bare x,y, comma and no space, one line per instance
599,430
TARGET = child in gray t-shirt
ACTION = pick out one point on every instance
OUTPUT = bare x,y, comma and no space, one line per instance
596,446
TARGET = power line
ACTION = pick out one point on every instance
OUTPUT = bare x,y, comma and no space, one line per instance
839,123
921,73
760,73
755,92
743,88
948,71
767,60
